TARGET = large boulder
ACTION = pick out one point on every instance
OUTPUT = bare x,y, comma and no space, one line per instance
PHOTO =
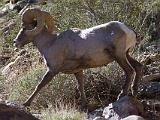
126,108
122,108
131,117
13,111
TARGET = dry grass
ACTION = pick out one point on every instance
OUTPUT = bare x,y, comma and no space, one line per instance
63,112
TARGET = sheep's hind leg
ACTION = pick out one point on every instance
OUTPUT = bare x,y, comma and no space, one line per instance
80,78
138,69
45,80
129,71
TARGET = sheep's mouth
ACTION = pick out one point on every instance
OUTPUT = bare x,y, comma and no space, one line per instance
17,46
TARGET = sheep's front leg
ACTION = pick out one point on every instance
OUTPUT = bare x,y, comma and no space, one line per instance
80,78
45,80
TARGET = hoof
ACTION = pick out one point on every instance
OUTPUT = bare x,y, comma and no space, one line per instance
83,109
83,105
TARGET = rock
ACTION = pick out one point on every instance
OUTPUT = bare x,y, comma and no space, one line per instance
151,105
14,111
18,5
96,114
21,64
123,108
151,65
151,77
149,90
3,12
8,28
99,118
126,108
133,117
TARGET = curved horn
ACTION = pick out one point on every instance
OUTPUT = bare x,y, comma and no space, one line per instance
29,16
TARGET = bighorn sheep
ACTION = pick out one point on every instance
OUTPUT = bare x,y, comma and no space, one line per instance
74,50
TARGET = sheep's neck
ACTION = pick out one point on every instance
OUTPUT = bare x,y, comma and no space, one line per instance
43,41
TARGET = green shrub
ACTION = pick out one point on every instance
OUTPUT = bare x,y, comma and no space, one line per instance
25,84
